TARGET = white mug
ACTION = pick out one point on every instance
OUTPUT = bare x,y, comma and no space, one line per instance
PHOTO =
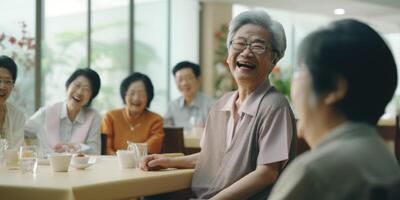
127,159
60,161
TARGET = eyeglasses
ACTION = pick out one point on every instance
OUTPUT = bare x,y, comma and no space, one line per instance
7,82
139,94
185,78
256,47
79,85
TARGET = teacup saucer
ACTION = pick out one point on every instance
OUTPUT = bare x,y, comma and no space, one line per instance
81,166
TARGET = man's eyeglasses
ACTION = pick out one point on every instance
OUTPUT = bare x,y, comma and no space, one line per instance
255,47
7,82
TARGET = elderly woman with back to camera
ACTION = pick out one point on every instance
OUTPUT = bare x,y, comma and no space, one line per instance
12,119
70,125
346,77
134,122
249,136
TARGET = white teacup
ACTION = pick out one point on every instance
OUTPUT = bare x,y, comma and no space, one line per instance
127,159
60,161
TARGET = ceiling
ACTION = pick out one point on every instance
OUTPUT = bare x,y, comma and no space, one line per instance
382,14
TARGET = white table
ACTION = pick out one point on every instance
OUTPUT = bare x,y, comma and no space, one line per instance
103,180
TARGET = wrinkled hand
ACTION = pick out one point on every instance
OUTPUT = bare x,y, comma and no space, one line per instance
154,162
66,147
59,148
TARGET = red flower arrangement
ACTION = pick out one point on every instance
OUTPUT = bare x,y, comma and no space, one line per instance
224,82
21,49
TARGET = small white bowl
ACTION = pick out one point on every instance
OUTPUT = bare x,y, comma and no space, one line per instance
80,160
82,166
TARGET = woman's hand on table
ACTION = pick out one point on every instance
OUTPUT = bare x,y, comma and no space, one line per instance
154,162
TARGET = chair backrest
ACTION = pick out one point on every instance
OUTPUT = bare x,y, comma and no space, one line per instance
173,140
302,146
389,190
103,138
397,138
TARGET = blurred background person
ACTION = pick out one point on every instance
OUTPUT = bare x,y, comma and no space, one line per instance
346,77
70,125
191,109
12,120
134,122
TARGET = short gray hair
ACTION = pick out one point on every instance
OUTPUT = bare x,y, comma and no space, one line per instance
260,18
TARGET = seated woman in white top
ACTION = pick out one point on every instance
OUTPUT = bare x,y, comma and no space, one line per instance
12,120
71,125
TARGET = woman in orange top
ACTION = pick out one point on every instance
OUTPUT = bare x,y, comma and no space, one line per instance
134,122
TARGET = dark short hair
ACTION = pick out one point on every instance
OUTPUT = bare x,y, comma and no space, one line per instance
186,64
8,63
93,78
355,52
136,76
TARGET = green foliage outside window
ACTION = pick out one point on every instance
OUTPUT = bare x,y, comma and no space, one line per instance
281,79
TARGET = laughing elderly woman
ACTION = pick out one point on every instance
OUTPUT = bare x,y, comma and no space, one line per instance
12,120
70,125
345,79
134,122
249,135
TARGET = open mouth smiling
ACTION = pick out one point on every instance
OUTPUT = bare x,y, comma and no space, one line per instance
245,65
3,94
77,99
136,104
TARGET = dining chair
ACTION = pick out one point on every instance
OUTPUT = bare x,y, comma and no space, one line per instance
397,138
389,190
301,146
173,140
103,138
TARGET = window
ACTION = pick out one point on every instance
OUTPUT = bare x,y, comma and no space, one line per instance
165,32
110,50
17,41
151,46
64,47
